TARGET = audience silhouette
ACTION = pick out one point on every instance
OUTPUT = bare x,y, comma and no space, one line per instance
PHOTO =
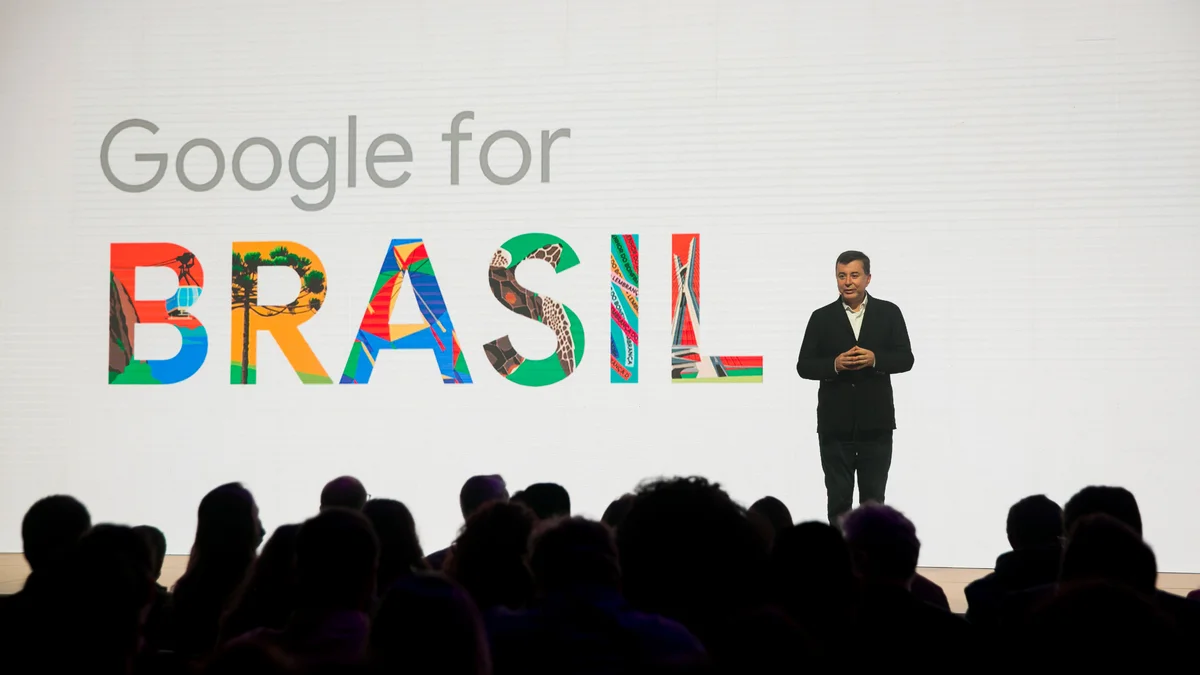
676,577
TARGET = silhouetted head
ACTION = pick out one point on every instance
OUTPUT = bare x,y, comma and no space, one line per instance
1114,501
479,490
1102,548
773,514
811,567
227,524
574,553
547,500
51,529
488,558
429,624
109,592
121,544
1035,522
399,548
337,554
278,560
883,545
690,553
157,542
345,492
775,511
615,514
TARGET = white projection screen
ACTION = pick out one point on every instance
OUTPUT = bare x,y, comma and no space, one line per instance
1025,176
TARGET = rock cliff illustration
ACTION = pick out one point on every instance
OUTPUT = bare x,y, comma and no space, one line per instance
121,317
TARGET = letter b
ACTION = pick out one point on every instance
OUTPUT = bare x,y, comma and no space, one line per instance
125,312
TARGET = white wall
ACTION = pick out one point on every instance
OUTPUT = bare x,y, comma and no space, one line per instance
1023,174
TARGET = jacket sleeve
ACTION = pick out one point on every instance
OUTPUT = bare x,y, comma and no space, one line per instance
811,365
898,356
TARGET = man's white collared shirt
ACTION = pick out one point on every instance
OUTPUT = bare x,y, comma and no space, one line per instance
856,318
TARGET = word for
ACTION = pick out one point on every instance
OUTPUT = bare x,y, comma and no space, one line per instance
328,181
377,333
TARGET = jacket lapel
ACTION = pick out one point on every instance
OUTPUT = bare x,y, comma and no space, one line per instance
843,321
864,331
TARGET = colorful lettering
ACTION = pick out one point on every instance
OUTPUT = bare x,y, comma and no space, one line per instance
126,311
377,332
502,278
623,310
281,321
687,363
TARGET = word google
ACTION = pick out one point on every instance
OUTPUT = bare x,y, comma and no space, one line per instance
376,333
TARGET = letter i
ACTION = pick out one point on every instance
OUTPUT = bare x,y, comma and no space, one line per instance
623,310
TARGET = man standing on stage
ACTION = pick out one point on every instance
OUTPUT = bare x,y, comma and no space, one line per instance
853,346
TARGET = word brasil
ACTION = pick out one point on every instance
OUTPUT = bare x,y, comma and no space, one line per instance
377,333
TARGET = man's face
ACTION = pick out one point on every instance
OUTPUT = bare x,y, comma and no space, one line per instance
852,282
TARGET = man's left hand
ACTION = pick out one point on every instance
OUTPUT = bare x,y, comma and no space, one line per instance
861,358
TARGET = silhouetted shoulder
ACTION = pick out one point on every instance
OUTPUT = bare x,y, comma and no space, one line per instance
981,585
668,636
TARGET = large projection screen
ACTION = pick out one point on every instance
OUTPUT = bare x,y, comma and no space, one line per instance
1024,175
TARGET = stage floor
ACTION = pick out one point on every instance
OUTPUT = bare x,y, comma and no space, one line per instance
13,571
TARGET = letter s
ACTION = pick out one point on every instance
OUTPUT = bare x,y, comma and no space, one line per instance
568,330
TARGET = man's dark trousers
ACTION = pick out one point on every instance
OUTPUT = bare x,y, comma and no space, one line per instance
867,453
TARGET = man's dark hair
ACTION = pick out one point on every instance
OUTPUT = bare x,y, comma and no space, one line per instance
547,500
1113,501
850,256
1035,522
479,490
51,529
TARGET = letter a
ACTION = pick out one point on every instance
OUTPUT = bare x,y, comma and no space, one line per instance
377,332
